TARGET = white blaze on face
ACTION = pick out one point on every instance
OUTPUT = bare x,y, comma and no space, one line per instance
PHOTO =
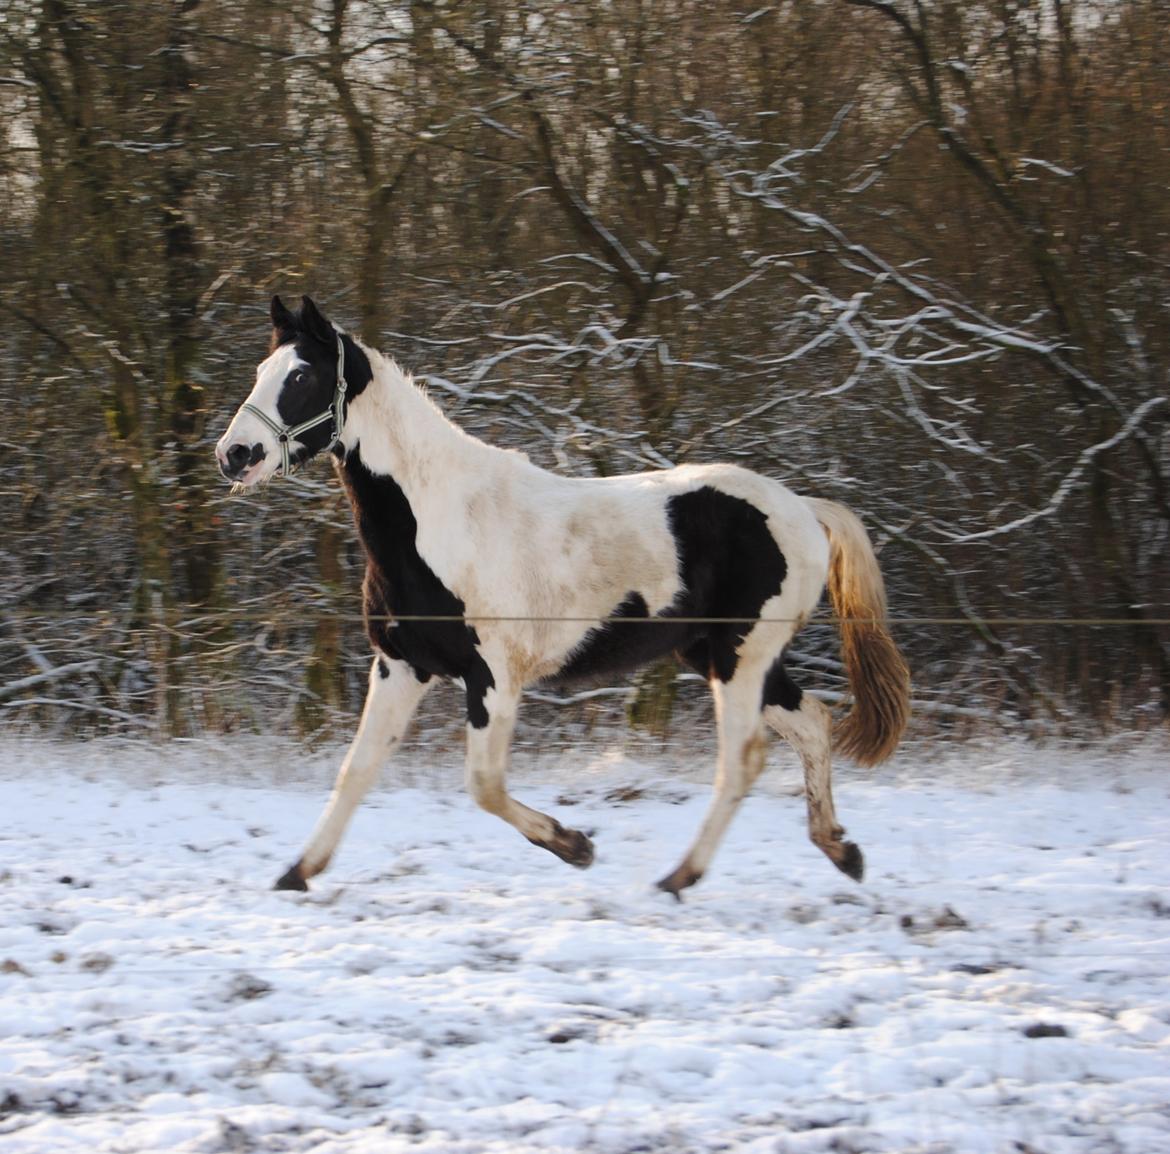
247,430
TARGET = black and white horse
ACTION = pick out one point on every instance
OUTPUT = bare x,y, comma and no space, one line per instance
486,570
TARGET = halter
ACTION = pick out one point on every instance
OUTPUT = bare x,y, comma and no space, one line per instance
336,412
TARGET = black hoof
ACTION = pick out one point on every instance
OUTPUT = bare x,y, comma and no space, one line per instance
677,881
292,880
579,851
570,845
852,862
573,846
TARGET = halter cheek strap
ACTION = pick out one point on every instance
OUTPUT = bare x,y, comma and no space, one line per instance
286,434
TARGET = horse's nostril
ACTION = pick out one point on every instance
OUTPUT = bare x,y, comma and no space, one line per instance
237,456
240,457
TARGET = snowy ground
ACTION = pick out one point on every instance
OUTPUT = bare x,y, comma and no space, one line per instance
999,983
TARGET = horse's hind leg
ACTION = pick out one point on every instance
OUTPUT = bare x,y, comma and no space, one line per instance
394,693
807,724
488,752
741,761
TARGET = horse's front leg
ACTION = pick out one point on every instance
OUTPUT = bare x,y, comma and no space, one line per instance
488,755
394,693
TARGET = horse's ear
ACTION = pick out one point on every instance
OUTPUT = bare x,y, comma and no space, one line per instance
314,323
281,317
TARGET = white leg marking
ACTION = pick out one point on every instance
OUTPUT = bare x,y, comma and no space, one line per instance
390,704
741,761
809,730
488,755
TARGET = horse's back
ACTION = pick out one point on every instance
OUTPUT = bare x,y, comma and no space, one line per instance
693,544
791,519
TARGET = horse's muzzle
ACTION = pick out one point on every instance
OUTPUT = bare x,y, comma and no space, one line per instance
237,459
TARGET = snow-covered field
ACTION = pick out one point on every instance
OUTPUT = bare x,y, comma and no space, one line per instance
999,983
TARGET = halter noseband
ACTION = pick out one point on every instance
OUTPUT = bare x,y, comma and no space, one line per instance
336,412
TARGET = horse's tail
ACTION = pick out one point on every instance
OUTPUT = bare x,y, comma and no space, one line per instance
878,676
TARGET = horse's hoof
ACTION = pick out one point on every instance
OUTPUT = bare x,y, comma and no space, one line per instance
678,880
852,861
573,846
291,879
570,845
580,850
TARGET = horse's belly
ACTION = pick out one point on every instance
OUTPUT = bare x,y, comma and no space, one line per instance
629,638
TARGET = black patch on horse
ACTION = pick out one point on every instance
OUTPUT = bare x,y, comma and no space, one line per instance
730,565
780,689
614,648
400,584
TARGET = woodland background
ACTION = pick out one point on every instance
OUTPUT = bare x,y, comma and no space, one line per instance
913,256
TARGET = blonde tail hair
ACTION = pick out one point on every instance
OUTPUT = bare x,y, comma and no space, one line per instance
878,677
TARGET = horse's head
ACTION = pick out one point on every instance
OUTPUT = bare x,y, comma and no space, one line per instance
295,409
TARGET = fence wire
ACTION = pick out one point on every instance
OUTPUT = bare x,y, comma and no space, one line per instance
312,617
259,665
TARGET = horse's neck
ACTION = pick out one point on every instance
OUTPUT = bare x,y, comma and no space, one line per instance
401,433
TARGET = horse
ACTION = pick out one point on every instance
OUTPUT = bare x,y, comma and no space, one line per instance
494,574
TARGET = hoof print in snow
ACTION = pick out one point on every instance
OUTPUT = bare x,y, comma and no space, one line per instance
412,1125
245,987
97,963
976,969
847,898
1045,1030
570,1033
803,913
949,920
624,793
234,1138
